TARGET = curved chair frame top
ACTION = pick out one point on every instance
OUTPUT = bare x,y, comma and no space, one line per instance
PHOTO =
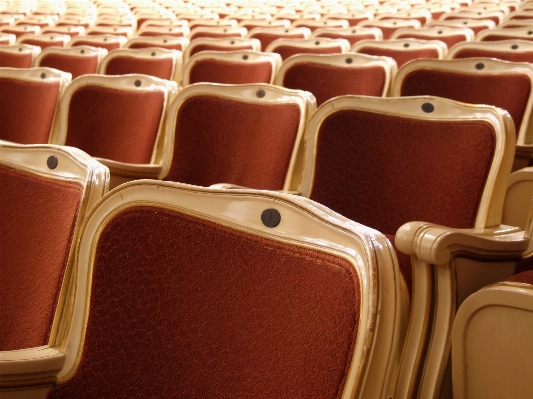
222,43
504,46
351,31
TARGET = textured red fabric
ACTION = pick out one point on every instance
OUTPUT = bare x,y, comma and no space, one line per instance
121,125
241,72
174,46
187,308
401,56
387,31
496,38
38,219
109,46
287,51
450,40
506,56
326,81
524,277
158,67
77,66
472,88
43,43
152,33
355,38
229,141
21,121
267,38
217,47
9,59
198,35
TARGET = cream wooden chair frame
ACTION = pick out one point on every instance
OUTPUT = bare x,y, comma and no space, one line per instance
437,252
8,38
323,32
432,33
125,31
508,33
241,57
220,32
472,24
162,151
503,46
98,41
176,31
34,366
223,43
64,30
51,38
402,44
22,49
303,223
310,44
158,42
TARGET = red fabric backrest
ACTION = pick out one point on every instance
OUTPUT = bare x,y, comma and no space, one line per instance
43,43
506,56
287,51
38,220
326,82
497,38
109,46
208,47
77,66
355,38
401,56
21,121
198,35
170,33
229,141
267,38
384,171
474,89
239,72
182,307
176,46
450,40
121,125
9,59
123,65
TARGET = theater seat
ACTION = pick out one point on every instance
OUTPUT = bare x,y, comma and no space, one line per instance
18,56
80,60
195,292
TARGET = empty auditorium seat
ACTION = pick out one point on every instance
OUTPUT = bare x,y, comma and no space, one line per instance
475,25
450,36
268,35
217,32
79,60
18,56
507,50
389,26
492,35
165,42
289,47
224,44
352,34
44,41
108,42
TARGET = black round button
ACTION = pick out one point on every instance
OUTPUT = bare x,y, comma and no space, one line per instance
270,217
52,162
428,107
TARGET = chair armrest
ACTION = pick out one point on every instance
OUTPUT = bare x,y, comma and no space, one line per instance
435,244
139,171
22,365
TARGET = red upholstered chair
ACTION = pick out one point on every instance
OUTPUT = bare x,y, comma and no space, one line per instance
7,39
507,50
194,292
20,30
322,23
476,25
64,30
125,31
389,26
108,42
352,34
164,42
450,36
46,194
231,67
119,120
18,56
20,90
496,16
250,24
493,35
212,23
422,147
44,41
174,31
290,47
353,17
332,75
402,50
422,16
161,63
217,32
245,135
212,44
507,85
268,35
78,61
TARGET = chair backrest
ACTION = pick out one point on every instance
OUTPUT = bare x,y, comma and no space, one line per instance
45,41
161,63
352,34
495,16
389,26
18,56
402,50
246,135
263,23
290,47
323,23
507,50
124,31
21,30
422,16
165,42
217,32
268,35
332,75
108,42
46,194
7,39
353,17
64,30
119,120
231,67
504,84
174,31
29,99
78,61
493,35
224,44
476,25
450,36
283,313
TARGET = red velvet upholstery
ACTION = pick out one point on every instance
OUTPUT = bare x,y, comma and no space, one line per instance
217,47
187,308
218,71
230,141
121,125
109,46
174,46
287,51
38,219
497,38
267,38
474,89
77,66
384,171
123,65
506,56
43,43
326,82
524,277
401,56
355,38
450,40
10,59
387,31
22,121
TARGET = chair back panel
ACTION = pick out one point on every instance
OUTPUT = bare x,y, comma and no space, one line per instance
234,314
22,120
219,71
401,56
160,68
501,55
221,140
218,47
401,169
115,124
474,89
11,59
266,38
326,82
77,66
38,220
287,51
